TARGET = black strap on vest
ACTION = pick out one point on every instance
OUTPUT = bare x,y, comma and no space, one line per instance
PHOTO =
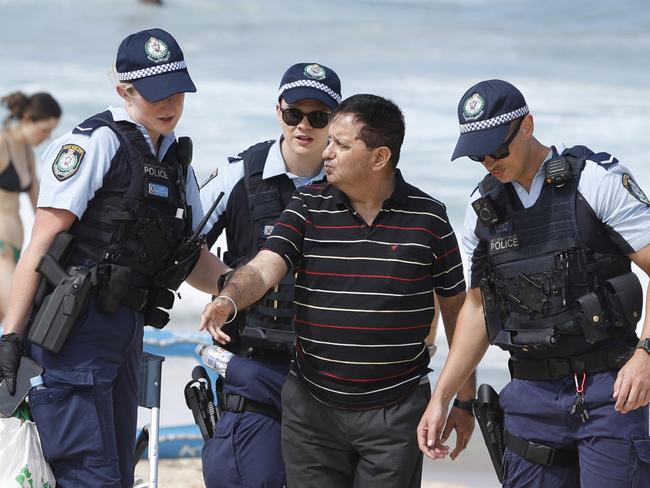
239,404
558,368
540,453
260,194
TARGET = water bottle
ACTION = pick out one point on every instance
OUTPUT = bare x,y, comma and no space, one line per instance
37,382
214,357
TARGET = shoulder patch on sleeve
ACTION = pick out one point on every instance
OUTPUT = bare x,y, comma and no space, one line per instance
604,159
68,161
634,189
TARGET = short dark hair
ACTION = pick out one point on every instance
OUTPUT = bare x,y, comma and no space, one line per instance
382,119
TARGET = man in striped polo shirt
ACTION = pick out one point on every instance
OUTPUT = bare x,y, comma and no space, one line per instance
370,251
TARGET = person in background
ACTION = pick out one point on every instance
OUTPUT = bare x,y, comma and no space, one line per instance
31,120
370,252
550,235
258,184
121,185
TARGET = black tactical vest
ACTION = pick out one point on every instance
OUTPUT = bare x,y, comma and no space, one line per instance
268,324
545,290
139,216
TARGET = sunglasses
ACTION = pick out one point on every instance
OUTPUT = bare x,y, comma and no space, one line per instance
502,151
317,119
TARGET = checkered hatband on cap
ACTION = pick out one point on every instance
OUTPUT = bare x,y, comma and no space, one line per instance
494,121
312,84
151,71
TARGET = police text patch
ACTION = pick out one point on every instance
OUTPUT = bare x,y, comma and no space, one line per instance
67,162
634,189
504,244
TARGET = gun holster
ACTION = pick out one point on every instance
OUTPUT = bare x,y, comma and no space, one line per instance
200,400
61,308
489,416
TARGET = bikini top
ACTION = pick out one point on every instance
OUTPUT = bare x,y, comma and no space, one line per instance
9,180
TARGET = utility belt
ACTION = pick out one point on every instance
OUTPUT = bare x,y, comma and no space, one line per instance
558,368
239,404
113,287
63,294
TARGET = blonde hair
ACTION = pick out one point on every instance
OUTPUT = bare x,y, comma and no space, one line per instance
128,87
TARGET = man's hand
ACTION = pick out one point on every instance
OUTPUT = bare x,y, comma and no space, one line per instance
11,349
632,386
462,422
214,316
430,430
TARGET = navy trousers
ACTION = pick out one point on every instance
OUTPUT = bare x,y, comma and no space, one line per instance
245,449
87,414
613,448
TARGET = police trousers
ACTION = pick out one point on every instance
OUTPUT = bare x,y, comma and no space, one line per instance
613,448
87,414
324,446
244,451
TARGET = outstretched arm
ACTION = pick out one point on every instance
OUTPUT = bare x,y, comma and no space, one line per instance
245,286
206,272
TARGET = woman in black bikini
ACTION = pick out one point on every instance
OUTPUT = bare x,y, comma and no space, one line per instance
31,120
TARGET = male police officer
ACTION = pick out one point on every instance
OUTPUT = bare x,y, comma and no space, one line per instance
258,184
550,234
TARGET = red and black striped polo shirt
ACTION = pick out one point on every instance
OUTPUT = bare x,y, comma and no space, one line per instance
364,294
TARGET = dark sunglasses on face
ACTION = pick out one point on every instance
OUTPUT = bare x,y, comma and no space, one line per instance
502,151
317,119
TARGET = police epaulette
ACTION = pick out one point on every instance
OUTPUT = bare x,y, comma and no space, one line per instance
603,159
88,126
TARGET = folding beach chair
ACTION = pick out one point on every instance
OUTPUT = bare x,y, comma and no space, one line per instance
149,397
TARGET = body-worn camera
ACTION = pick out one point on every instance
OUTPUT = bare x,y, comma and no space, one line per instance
485,210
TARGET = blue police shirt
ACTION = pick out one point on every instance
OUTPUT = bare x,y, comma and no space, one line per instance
75,191
608,188
230,177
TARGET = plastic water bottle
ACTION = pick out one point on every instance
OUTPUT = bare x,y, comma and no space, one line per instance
37,382
214,357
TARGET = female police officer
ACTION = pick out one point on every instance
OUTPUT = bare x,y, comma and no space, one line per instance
122,187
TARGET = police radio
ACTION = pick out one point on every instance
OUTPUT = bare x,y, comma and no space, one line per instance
485,210
557,172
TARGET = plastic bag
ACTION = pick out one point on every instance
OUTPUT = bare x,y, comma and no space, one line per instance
22,464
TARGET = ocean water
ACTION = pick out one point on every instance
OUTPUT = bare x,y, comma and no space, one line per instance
582,66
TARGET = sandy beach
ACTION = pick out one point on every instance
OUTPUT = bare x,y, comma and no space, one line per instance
186,473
